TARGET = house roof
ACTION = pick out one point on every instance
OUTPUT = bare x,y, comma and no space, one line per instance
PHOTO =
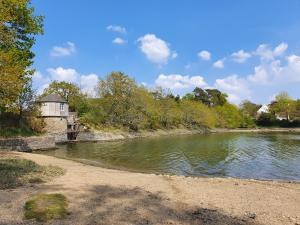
52,98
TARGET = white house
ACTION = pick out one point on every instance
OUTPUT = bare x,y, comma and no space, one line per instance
54,106
55,111
266,109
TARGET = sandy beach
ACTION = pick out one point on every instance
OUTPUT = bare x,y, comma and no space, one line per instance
103,196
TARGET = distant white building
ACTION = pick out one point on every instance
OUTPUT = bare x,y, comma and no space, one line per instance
263,109
266,109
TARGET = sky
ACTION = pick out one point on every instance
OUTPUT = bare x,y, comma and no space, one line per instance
248,49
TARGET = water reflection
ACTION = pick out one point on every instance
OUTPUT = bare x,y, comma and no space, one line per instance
259,156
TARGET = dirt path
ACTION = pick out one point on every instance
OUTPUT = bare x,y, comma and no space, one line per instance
102,196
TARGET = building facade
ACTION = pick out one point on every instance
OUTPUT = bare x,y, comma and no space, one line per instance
55,111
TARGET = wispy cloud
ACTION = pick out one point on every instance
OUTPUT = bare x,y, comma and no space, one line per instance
66,50
204,55
119,41
241,56
219,64
116,28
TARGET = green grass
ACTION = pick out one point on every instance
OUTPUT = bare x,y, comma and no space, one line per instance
16,172
16,132
46,207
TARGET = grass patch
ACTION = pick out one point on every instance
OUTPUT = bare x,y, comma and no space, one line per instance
46,207
17,132
16,172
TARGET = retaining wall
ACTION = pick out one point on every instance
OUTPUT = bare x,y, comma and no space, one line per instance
27,144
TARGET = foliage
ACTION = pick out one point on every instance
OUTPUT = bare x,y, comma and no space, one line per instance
216,97
197,114
18,28
266,119
44,207
15,172
249,108
283,105
229,116
210,97
124,104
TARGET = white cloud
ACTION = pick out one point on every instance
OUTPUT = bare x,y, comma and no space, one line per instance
155,49
236,88
219,64
62,74
88,84
174,55
204,55
240,56
40,82
67,50
177,81
116,28
260,75
280,49
119,41
266,53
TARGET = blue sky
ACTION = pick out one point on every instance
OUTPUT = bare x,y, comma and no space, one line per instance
248,49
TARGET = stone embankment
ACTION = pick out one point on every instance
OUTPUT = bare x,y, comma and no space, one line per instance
120,135
27,144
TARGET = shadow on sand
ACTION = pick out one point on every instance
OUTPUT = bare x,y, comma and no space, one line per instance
110,205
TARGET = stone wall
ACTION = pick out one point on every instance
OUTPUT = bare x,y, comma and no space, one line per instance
56,127
27,144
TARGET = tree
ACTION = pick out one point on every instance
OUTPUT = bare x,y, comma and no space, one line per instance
70,92
283,104
18,28
188,96
118,91
249,108
210,97
201,96
216,97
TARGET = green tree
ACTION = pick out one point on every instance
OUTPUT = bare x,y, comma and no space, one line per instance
216,97
188,96
283,105
118,91
18,28
229,116
249,108
201,96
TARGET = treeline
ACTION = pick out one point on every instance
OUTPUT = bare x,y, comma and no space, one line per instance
122,103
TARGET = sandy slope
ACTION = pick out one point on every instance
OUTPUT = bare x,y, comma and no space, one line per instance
103,196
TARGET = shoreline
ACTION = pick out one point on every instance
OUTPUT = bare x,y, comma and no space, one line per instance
104,196
124,169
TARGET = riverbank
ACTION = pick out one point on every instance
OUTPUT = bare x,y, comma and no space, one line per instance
48,141
256,130
103,196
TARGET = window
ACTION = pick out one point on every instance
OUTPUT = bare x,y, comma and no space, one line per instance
62,107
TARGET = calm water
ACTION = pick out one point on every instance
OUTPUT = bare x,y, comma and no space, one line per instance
259,156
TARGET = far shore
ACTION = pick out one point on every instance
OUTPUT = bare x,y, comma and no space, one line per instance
103,196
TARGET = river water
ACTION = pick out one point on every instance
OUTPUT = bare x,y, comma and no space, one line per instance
258,156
